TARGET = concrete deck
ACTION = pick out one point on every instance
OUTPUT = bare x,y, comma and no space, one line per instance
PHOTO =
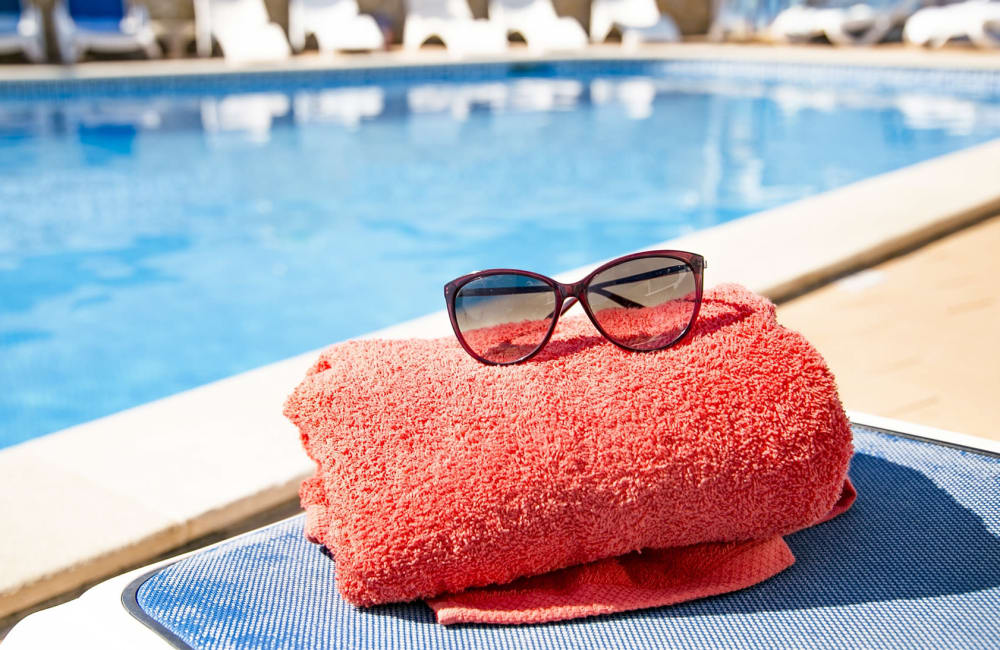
915,338
96,499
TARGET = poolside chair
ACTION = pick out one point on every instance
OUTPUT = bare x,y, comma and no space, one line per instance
22,30
638,21
843,22
336,24
453,23
242,28
976,20
102,26
537,22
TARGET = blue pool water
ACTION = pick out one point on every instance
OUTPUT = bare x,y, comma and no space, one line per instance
153,241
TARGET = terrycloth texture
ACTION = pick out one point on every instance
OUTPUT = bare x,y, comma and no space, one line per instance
653,578
436,473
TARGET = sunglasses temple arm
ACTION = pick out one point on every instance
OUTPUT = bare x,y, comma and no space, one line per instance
647,275
621,300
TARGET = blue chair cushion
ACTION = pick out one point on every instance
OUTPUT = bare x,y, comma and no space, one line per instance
8,23
96,9
10,8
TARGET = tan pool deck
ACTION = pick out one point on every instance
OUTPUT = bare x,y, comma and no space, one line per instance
914,337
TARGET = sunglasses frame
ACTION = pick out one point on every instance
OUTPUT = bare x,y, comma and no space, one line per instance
577,290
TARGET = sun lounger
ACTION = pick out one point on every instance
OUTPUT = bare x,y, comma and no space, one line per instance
842,23
976,20
537,22
914,563
242,28
22,30
638,21
451,21
102,26
336,24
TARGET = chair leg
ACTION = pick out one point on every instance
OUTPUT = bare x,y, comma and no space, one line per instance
34,51
153,50
69,53
411,36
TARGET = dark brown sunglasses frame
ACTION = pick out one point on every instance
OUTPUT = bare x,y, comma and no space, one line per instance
569,294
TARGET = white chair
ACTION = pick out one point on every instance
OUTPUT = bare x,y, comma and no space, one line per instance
452,22
977,20
242,28
336,24
537,22
848,24
102,26
21,30
638,21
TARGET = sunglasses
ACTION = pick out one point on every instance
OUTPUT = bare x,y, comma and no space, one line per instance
644,302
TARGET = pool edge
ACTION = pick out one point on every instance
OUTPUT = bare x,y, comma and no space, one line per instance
878,57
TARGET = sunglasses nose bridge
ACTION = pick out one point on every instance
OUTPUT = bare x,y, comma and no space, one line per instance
574,290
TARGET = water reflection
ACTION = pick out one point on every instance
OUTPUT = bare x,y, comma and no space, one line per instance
544,95
527,95
636,96
955,115
345,106
918,111
24,119
113,124
250,115
108,130
456,100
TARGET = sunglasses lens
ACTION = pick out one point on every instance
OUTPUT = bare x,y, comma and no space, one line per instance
504,318
646,303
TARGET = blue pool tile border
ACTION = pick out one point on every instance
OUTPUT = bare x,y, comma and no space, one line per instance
977,82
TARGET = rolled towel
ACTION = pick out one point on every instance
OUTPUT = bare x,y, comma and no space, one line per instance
652,578
436,473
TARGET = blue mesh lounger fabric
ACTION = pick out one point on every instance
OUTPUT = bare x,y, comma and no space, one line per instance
915,563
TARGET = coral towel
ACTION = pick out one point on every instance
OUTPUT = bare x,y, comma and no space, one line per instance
437,474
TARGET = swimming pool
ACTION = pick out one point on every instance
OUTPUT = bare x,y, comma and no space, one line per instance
155,236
